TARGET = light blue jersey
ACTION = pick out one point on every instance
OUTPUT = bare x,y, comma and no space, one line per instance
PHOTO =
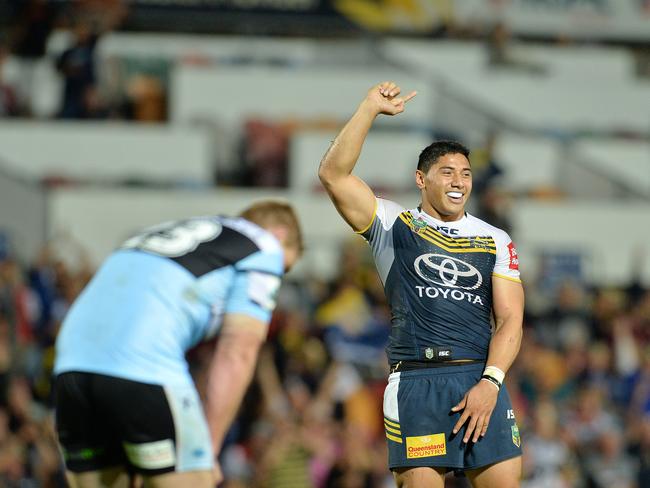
164,291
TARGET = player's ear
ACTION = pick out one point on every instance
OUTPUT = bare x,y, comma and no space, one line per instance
419,179
280,231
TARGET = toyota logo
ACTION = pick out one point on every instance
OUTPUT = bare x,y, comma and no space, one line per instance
446,271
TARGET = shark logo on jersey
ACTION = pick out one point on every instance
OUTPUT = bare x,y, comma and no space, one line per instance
447,271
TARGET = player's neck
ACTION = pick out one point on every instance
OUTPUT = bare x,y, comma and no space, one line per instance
432,212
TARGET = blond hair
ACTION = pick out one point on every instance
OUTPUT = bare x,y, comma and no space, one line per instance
271,213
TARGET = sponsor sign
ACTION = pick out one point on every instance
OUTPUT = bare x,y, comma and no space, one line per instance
426,446
261,17
444,270
600,19
514,258
279,5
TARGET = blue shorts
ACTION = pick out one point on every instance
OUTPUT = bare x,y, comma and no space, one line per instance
418,421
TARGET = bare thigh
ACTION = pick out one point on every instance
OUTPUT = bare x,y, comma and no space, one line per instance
505,474
419,477
192,479
106,478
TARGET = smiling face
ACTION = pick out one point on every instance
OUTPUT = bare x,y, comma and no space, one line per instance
446,186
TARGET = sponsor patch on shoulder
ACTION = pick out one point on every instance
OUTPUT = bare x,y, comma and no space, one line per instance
514,258
426,446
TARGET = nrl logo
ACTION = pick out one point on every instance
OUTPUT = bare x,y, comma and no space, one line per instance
516,438
428,353
418,225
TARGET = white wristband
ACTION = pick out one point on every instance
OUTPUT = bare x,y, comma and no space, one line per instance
494,372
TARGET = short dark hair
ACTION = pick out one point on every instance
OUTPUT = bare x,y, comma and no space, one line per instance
430,154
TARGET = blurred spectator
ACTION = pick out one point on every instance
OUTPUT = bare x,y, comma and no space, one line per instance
493,207
355,318
492,203
264,154
77,66
640,401
566,325
500,54
588,422
6,356
610,466
145,99
641,450
8,97
485,167
607,306
31,25
547,458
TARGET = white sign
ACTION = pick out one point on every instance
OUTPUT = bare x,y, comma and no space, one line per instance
598,19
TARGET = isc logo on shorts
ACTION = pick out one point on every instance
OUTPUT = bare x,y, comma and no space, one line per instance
426,446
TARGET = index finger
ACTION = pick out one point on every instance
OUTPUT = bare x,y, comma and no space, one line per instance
409,96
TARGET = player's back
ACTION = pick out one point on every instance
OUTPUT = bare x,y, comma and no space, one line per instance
162,292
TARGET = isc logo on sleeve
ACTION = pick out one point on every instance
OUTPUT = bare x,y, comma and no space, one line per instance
426,446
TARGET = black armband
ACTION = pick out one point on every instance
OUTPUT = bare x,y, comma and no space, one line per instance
492,380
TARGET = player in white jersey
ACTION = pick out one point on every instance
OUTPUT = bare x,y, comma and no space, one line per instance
125,400
446,274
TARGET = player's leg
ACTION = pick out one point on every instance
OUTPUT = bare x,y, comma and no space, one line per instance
495,460
505,474
419,477
418,425
93,456
110,477
195,479
166,438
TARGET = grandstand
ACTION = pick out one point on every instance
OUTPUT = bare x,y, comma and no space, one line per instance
183,117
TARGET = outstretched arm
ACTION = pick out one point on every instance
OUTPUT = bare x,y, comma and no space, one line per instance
351,196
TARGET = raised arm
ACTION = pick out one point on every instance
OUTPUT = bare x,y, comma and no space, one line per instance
351,196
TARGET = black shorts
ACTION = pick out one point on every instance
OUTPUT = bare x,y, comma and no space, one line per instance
104,421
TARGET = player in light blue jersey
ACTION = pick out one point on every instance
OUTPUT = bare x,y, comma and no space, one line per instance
125,400
446,275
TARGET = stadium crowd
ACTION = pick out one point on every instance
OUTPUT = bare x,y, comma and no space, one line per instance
580,386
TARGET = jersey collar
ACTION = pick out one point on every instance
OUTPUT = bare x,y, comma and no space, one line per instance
438,222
